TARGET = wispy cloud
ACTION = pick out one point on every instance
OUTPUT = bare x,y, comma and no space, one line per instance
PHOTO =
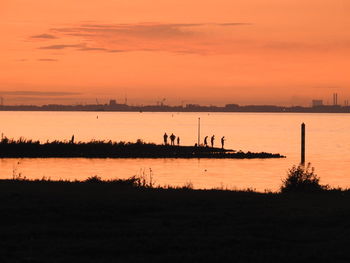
143,30
81,47
178,38
60,46
47,59
38,93
86,48
44,36
235,24
181,38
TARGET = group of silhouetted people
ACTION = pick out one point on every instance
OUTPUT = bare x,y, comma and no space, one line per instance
172,138
212,139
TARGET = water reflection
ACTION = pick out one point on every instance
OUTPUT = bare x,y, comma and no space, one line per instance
326,146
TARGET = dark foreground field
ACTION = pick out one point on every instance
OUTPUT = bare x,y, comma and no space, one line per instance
100,222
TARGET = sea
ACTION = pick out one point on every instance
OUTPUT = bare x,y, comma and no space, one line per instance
327,146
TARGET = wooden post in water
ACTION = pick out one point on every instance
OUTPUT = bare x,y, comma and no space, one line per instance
199,131
302,161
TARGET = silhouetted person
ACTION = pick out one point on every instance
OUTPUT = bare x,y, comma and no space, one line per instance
72,140
172,139
178,141
212,140
165,136
206,141
222,142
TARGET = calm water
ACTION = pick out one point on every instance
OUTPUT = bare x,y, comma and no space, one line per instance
327,145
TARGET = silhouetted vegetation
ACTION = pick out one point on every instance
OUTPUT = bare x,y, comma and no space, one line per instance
141,180
119,221
134,181
103,149
302,179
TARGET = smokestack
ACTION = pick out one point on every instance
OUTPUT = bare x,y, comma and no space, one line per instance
336,99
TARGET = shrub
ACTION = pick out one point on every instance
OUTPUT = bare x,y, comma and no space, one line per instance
140,141
302,179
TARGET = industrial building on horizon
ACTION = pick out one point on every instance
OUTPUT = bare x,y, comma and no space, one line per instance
317,103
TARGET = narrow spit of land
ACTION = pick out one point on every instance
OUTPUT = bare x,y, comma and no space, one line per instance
114,222
23,148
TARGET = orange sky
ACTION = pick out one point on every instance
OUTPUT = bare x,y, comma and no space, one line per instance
208,52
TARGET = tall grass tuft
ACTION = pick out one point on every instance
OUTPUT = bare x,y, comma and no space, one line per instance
145,180
93,179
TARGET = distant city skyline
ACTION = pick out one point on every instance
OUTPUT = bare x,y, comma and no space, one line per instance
70,98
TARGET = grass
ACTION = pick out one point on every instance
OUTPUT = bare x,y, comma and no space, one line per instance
133,220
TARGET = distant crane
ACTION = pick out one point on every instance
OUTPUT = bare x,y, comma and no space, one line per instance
161,102
97,102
